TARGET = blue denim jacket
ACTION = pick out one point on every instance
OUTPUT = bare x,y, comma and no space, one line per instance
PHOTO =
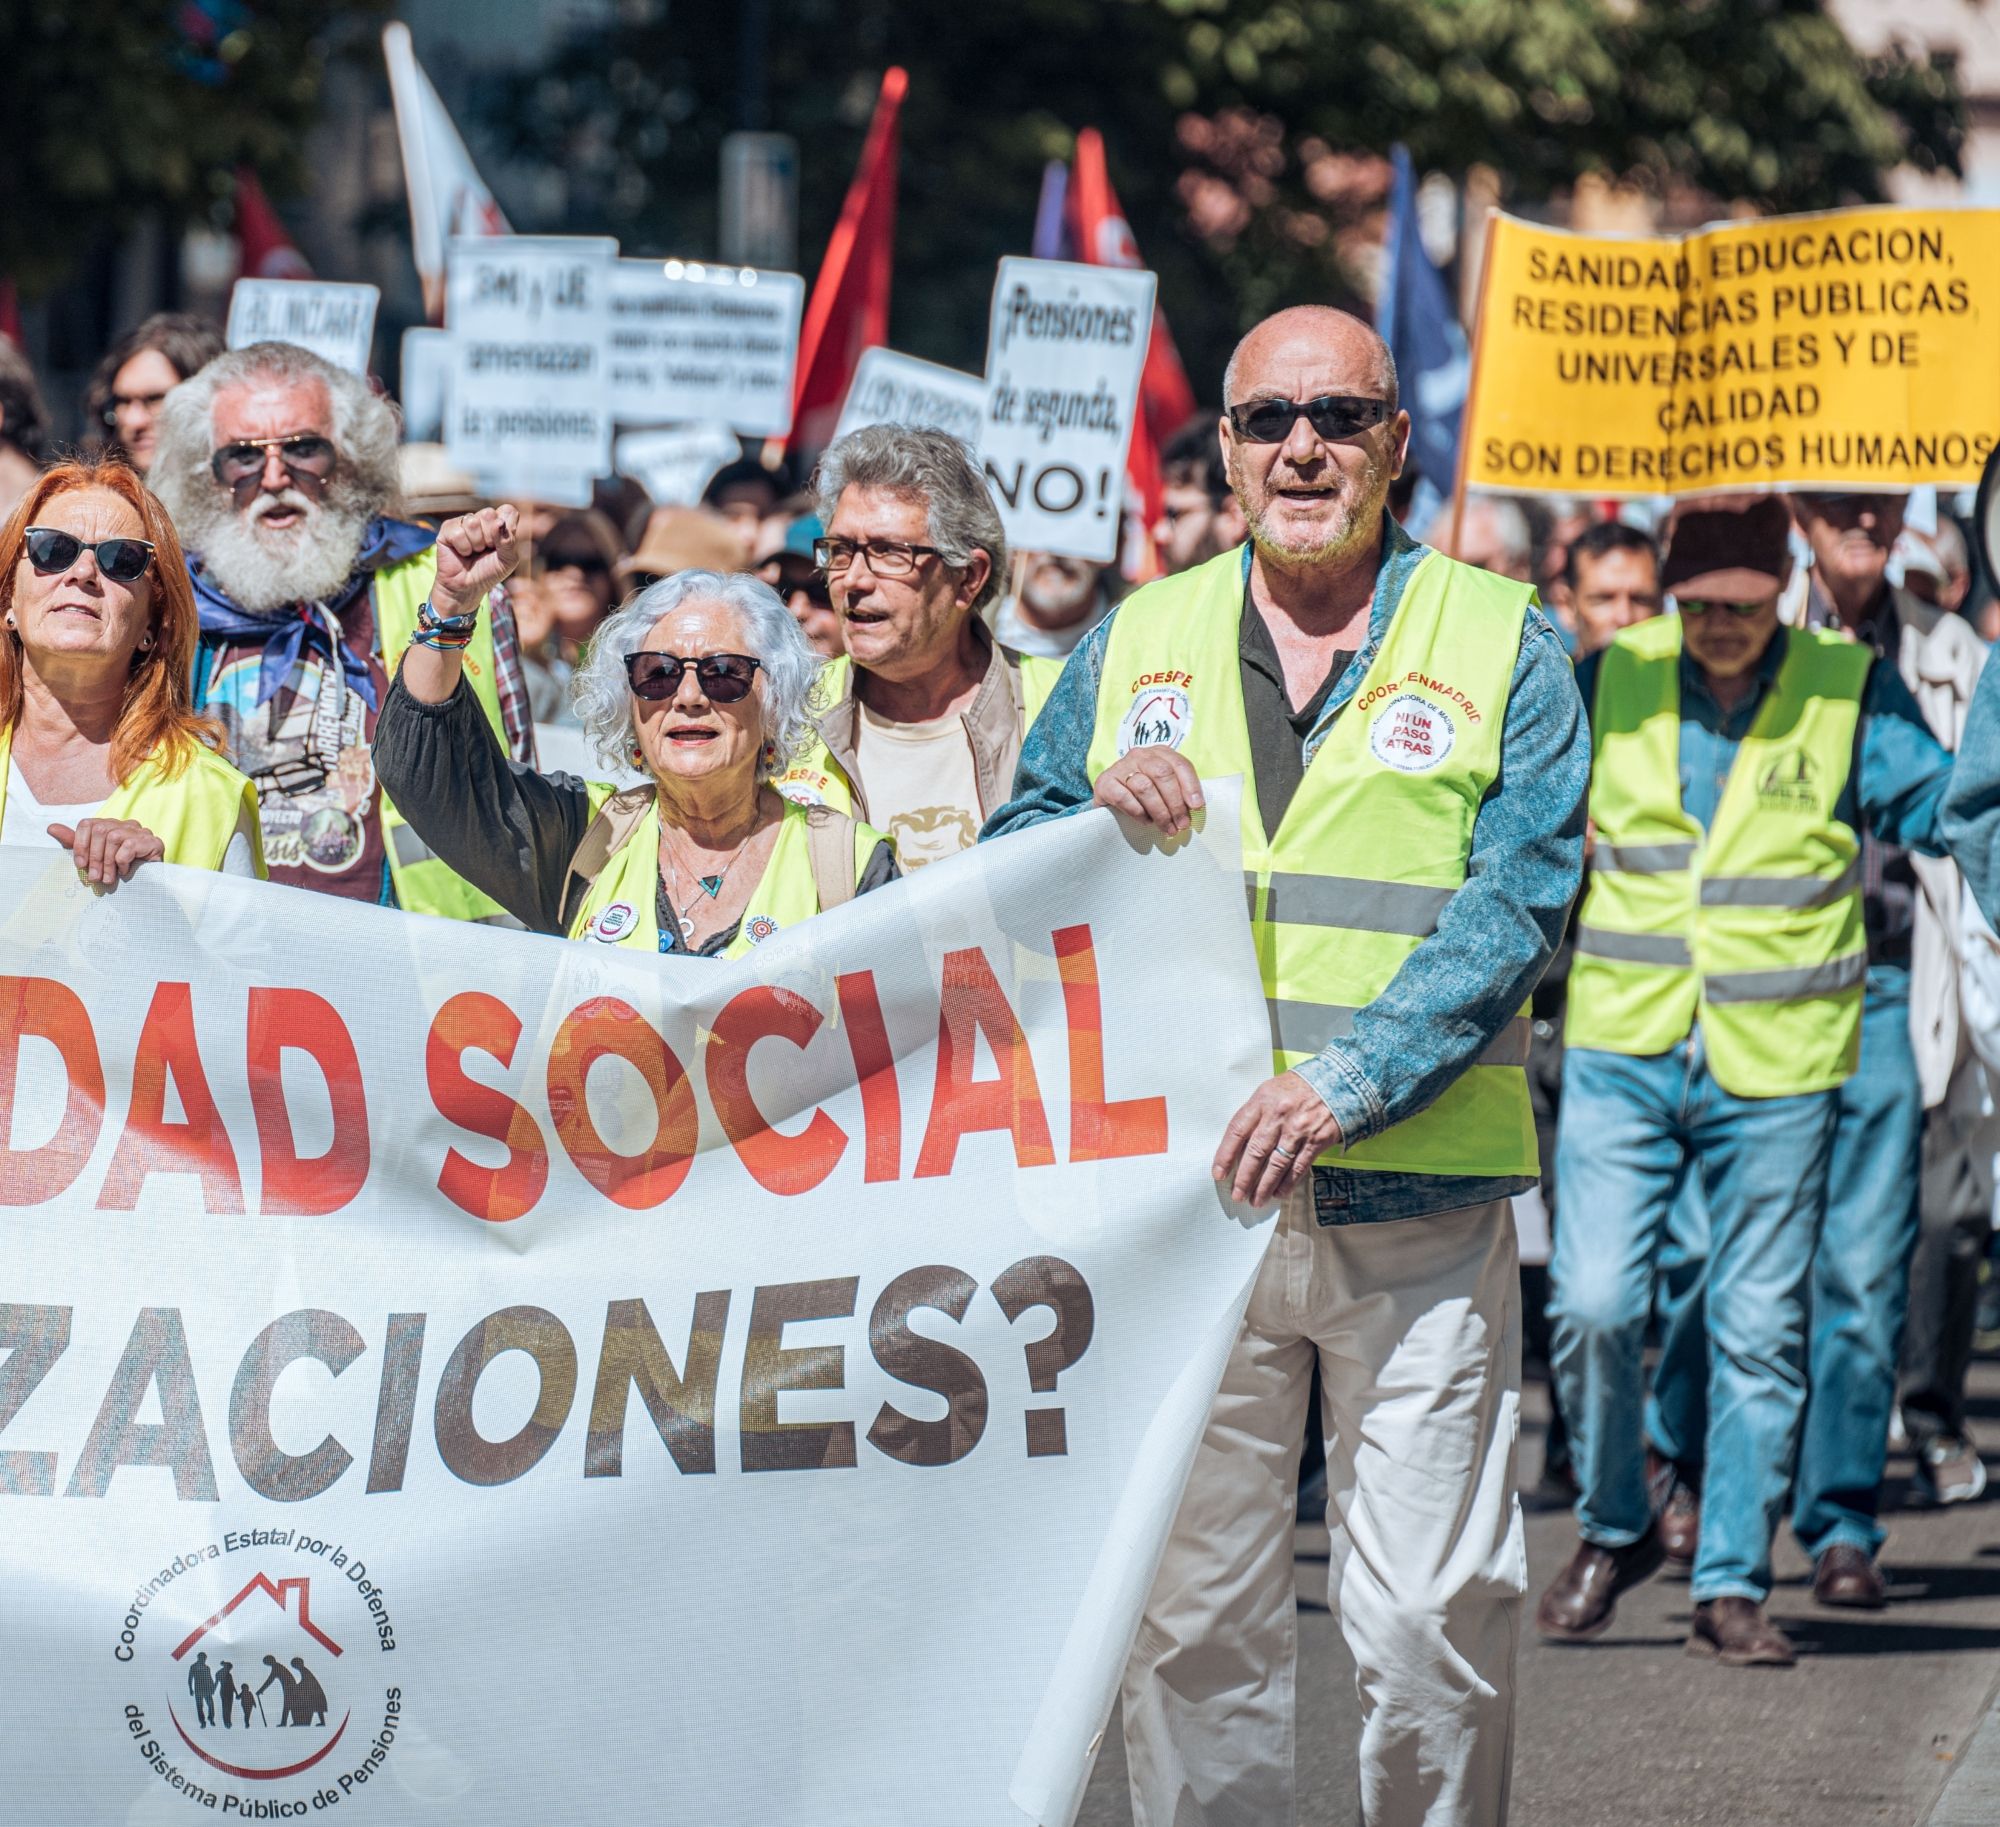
1461,985
1971,816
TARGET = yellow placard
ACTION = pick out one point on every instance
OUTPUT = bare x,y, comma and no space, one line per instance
1855,349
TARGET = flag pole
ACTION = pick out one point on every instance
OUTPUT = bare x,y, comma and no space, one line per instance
1471,381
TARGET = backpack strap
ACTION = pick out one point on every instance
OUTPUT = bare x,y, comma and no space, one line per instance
615,822
830,850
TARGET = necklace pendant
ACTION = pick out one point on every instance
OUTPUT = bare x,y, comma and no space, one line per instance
711,884
686,924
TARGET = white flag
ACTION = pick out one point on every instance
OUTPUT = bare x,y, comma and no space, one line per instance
447,195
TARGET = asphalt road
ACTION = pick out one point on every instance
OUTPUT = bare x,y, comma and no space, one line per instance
1631,1730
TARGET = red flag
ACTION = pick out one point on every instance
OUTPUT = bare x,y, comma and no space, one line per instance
849,308
1102,237
265,250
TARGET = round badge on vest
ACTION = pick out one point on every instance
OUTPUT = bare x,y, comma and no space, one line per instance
1161,716
1411,734
614,922
802,789
759,928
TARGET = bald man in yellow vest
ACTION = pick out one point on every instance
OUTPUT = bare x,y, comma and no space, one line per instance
1414,761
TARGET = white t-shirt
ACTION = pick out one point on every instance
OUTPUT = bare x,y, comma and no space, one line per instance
923,787
26,822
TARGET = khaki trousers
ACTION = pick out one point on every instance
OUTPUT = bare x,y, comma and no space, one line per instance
1416,1327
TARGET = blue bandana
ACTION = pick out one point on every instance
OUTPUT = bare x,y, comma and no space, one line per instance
290,635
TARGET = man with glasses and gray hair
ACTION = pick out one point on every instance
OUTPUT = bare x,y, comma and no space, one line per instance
279,470
921,720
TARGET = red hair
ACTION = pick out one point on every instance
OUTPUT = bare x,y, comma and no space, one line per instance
157,719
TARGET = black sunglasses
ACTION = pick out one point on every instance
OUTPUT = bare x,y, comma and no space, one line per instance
591,564
1332,415
307,457
725,678
1698,607
124,561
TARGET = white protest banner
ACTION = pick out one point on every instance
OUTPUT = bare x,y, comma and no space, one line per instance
529,317
332,320
892,389
1064,353
696,341
673,464
553,1382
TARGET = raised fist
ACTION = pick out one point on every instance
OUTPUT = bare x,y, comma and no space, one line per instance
474,552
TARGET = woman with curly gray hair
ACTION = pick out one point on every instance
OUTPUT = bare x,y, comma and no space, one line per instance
701,683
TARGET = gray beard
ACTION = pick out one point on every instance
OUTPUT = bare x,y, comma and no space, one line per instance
265,574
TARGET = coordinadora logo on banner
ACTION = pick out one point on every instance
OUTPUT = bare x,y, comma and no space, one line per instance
385,1298
260,1696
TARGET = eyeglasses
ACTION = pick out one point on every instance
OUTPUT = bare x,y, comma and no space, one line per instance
1746,610
124,561
886,557
1332,415
122,403
591,564
725,678
307,458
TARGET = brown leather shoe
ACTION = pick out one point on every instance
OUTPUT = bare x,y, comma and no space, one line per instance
1581,1598
1844,1576
1737,1633
1677,1506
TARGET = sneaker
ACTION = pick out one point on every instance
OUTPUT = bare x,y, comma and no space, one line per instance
1948,1471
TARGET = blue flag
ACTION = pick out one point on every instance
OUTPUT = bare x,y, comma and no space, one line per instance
1417,321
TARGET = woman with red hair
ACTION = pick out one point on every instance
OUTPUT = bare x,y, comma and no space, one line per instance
99,750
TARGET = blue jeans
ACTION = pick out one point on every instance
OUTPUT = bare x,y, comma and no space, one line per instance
1677,1409
1860,1288
1632,1130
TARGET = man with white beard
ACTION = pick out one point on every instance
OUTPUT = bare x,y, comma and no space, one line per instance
280,472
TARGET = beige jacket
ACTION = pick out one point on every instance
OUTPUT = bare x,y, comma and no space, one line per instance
1939,656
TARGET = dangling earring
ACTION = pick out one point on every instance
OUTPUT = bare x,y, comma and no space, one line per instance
638,756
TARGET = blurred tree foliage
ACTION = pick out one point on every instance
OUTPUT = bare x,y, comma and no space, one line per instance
1245,136
115,109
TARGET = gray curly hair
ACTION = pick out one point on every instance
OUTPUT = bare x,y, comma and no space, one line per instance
365,431
603,697
922,463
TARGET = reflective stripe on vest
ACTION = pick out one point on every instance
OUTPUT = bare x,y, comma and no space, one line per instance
424,884
194,815
1377,839
621,907
1752,928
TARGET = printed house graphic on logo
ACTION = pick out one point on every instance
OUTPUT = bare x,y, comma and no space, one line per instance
255,1753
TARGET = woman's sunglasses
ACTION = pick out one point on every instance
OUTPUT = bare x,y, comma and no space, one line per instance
124,561
1332,415
725,678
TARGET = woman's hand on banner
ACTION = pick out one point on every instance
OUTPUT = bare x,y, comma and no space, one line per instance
1270,1143
1154,784
107,850
474,552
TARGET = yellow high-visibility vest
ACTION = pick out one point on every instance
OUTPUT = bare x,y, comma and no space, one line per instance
194,814
621,905
1377,838
1753,927
425,884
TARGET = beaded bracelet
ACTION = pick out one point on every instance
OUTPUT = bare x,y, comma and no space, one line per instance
444,633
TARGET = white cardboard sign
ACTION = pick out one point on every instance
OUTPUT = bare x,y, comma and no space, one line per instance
1064,354
693,341
674,463
332,320
529,318
892,389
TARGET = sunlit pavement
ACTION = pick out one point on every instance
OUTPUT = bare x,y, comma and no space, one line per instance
1631,1730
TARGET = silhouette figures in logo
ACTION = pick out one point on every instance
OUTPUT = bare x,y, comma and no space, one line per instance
245,1700
302,1701
225,1681
309,1698
201,1684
